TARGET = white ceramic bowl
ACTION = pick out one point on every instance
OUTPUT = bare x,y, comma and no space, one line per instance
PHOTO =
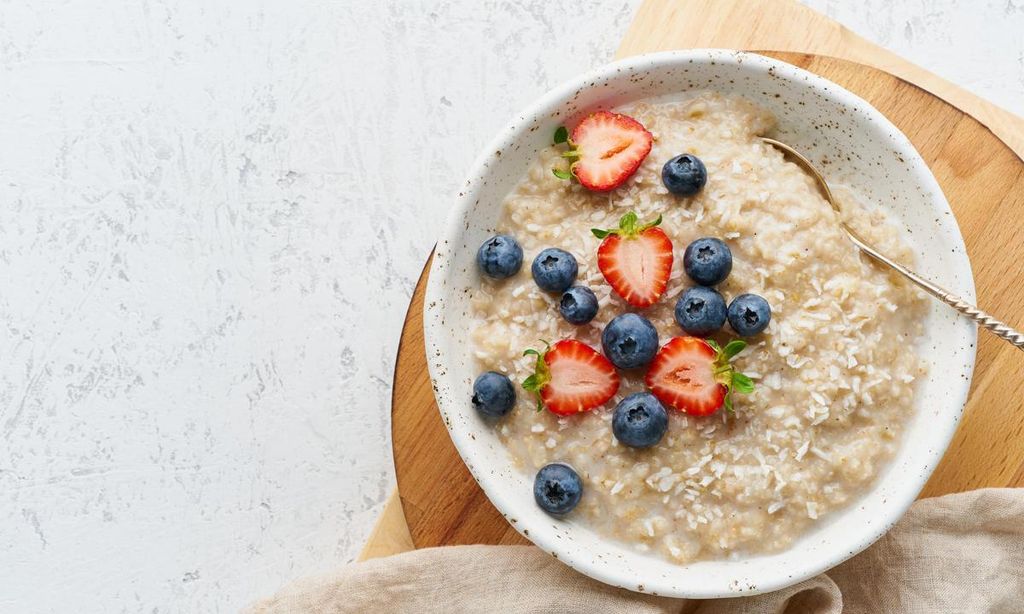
819,118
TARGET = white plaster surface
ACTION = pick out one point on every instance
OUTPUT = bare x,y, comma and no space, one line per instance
212,214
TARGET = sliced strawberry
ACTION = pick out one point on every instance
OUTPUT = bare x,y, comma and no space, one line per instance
695,376
572,377
607,148
636,260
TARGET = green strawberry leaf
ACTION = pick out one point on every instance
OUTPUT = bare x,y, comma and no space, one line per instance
742,383
561,135
656,222
564,175
627,224
541,374
733,348
726,374
628,227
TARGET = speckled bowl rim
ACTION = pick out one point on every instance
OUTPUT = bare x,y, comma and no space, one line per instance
507,501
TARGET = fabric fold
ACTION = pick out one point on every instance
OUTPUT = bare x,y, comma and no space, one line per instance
958,553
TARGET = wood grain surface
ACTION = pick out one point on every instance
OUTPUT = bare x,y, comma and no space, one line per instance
980,174
786,25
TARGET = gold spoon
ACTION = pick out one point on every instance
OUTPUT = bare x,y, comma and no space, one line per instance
985,320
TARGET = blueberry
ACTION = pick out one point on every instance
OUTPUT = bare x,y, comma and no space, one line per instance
557,488
500,257
578,305
749,314
493,394
640,420
554,269
707,261
629,341
700,311
684,175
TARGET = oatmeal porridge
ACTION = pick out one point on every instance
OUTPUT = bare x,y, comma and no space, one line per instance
833,373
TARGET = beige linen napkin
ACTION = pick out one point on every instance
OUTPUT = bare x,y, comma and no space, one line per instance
958,553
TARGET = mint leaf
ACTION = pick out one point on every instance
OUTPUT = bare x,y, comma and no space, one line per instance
733,348
561,135
564,175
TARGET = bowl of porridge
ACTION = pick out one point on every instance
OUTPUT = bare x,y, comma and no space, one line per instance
655,349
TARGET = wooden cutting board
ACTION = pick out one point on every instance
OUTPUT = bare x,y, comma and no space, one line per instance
982,177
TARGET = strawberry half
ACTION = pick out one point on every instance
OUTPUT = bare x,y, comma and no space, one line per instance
636,260
606,148
695,375
571,377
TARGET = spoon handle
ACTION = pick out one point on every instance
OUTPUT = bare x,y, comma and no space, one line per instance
997,327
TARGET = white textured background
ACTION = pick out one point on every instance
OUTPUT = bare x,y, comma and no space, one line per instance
212,215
